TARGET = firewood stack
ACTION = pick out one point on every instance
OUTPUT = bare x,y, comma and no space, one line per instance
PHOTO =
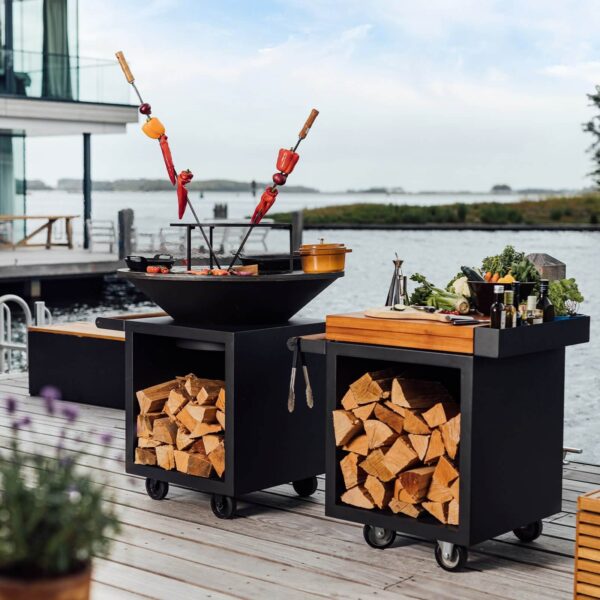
401,438
181,426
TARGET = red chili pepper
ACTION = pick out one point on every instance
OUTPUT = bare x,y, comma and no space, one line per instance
266,201
182,194
166,152
286,160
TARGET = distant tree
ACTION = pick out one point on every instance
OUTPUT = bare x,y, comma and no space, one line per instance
593,127
501,188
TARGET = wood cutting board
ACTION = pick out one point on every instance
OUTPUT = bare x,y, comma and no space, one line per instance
408,314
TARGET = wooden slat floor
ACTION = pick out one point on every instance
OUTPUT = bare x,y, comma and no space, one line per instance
281,546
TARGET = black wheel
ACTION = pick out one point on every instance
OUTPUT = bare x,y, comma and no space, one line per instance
455,562
157,490
378,537
530,532
305,487
223,506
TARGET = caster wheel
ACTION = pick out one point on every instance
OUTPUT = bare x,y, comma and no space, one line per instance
378,537
455,562
305,487
223,506
157,490
530,532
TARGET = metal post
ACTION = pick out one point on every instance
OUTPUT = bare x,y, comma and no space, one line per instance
297,229
125,217
9,76
87,188
189,247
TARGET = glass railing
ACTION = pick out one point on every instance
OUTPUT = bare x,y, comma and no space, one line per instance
62,77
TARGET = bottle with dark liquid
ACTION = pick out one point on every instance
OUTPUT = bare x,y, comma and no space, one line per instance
497,313
516,286
510,312
544,304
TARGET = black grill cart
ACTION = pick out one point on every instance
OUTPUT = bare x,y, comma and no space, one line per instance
511,394
265,444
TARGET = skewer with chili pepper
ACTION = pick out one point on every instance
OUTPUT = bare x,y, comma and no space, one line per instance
154,129
286,161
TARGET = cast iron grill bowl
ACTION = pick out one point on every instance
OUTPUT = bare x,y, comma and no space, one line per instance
139,263
483,293
230,300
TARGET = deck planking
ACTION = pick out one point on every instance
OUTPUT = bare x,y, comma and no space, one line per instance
281,545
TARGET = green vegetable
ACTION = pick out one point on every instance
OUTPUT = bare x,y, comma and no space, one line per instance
565,296
427,294
511,261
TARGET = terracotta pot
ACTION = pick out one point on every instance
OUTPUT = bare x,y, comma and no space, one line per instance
69,587
323,258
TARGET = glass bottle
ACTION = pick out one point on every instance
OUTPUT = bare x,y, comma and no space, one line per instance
544,304
516,286
510,311
530,315
497,314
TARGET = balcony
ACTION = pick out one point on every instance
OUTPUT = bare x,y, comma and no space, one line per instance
46,76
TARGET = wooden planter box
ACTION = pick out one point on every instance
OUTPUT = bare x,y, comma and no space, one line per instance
587,546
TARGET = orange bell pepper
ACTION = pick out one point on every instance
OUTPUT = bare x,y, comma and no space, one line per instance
153,128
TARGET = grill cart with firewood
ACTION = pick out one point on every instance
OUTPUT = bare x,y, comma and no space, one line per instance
206,409
453,434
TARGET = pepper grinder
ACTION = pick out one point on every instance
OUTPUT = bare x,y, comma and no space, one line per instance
398,292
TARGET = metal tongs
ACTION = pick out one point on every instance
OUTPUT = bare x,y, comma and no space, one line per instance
298,356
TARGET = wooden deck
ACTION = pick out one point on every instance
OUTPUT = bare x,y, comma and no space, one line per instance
281,546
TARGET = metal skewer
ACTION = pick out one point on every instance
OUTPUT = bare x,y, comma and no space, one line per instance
303,133
131,80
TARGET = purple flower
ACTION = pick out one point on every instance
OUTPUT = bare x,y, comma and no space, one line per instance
70,413
23,422
50,394
11,405
106,438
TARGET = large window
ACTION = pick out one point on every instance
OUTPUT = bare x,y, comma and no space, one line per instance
12,180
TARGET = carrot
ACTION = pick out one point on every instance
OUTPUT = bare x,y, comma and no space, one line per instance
488,276
495,277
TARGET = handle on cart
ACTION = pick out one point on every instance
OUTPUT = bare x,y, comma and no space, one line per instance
314,113
126,70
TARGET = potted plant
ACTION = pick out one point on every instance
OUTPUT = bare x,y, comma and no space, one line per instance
53,517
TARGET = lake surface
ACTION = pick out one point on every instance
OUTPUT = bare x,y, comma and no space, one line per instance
436,254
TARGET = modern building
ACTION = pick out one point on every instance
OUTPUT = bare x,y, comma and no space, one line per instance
47,88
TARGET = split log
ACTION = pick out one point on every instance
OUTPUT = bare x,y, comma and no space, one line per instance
177,400
192,464
191,414
453,509
420,443
217,458
148,443
153,399
397,488
436,448
165,457
198,447
438,509
390,418
455,488
357,496
404,496
220,404
378,434
211,442
372,387
400,456
349,401
445,472
164,431
416,481
345,426
359,445
202,429
440,413
414,423
145,456
221,418
418,393
451,435
412,510
351,472
365,411
192,385
209,393
145,424
379,492
397,409
375,465
183,440
438,492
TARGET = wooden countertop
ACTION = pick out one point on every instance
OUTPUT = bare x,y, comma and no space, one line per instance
81,329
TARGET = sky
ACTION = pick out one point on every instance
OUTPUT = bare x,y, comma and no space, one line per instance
436,95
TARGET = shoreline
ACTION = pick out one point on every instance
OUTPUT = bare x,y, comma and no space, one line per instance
455,226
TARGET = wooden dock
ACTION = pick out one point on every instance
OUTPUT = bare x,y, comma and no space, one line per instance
281,546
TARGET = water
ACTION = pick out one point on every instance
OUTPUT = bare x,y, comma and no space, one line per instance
436,254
